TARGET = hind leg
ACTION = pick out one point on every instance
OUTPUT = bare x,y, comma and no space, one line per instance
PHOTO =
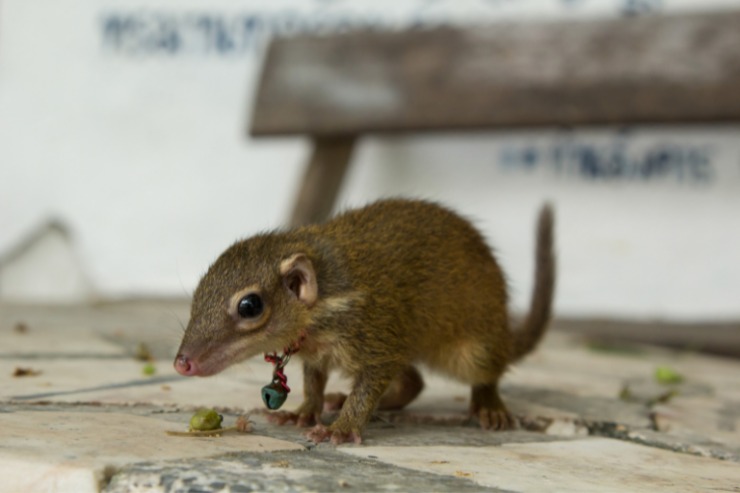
404,388
486,405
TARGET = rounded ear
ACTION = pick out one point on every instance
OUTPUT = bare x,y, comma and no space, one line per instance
300,278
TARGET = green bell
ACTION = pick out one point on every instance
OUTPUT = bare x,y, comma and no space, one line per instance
274,395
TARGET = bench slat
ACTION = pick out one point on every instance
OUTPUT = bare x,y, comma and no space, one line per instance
657,69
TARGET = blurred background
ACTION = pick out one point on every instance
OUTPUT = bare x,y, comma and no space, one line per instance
126,165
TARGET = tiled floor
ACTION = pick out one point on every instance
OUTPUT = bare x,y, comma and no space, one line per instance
87,418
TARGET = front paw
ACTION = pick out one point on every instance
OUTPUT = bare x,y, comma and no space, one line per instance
301,419
321,433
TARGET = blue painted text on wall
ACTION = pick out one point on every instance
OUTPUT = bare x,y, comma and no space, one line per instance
620,160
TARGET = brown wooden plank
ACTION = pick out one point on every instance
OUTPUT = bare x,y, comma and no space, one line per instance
709,337
322,180
659,69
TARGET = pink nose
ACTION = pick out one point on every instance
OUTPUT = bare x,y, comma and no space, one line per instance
185,366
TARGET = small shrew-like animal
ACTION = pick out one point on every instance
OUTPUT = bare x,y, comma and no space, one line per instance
371,293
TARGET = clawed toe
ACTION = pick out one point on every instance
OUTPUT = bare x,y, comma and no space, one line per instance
299,419
321,433
282,417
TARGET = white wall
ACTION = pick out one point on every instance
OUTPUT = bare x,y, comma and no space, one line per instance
136,139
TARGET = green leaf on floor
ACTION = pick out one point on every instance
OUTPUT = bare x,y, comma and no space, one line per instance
667,375
149,369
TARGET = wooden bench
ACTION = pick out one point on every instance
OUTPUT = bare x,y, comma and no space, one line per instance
676,69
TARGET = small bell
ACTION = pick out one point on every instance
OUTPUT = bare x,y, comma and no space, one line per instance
274,394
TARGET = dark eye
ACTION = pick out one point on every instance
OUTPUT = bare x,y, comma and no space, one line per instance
250,306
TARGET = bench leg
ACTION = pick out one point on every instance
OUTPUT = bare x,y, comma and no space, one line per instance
322,180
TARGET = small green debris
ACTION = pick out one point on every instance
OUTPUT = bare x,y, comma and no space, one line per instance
243,425
206,420
149,369
143,353
663,398
626,394
26,372
666,375
650,398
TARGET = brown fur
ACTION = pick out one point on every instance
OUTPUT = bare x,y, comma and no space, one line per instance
370,293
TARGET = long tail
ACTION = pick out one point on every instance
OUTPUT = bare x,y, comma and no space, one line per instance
533,327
